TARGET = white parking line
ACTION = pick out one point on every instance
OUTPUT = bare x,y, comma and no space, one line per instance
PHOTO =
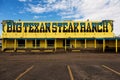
70,72
116,72
22,74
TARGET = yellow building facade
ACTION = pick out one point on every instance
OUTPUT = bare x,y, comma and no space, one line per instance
58,36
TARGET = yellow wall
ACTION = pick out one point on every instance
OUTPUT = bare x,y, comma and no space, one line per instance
42,44
59,43
29,44
3,44
72,43
90,44
82,44
10,44
58,34
78,44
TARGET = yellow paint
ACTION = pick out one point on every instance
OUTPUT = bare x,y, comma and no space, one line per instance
42,43
65,44
90,43
29,44
116,46
15,44
75,43
103,45
55,44
70,73
45,43
95,42
52,35
116,72
85,43
9,43
59,43
80,43
57,34
77,39
20,50
9,51
26,71
76,50
72,43
48,50
35,50
3,41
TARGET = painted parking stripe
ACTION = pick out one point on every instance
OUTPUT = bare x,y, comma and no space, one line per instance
22,74
70,73
116,72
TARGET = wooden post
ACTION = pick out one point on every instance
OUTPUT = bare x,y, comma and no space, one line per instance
85,43
5,44
25,43
65,44
55,44
15,44
45,43
35,43
75,43
116,50
95,43
103,45
3,40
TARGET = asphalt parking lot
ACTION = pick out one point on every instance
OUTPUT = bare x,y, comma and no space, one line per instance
73,66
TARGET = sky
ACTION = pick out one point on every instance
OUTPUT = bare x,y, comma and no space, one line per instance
60,10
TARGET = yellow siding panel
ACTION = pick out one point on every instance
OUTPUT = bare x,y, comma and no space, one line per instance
42,43
59,43
10,44
72,43
29,44
90,43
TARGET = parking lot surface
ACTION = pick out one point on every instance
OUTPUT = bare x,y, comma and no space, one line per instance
64,66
